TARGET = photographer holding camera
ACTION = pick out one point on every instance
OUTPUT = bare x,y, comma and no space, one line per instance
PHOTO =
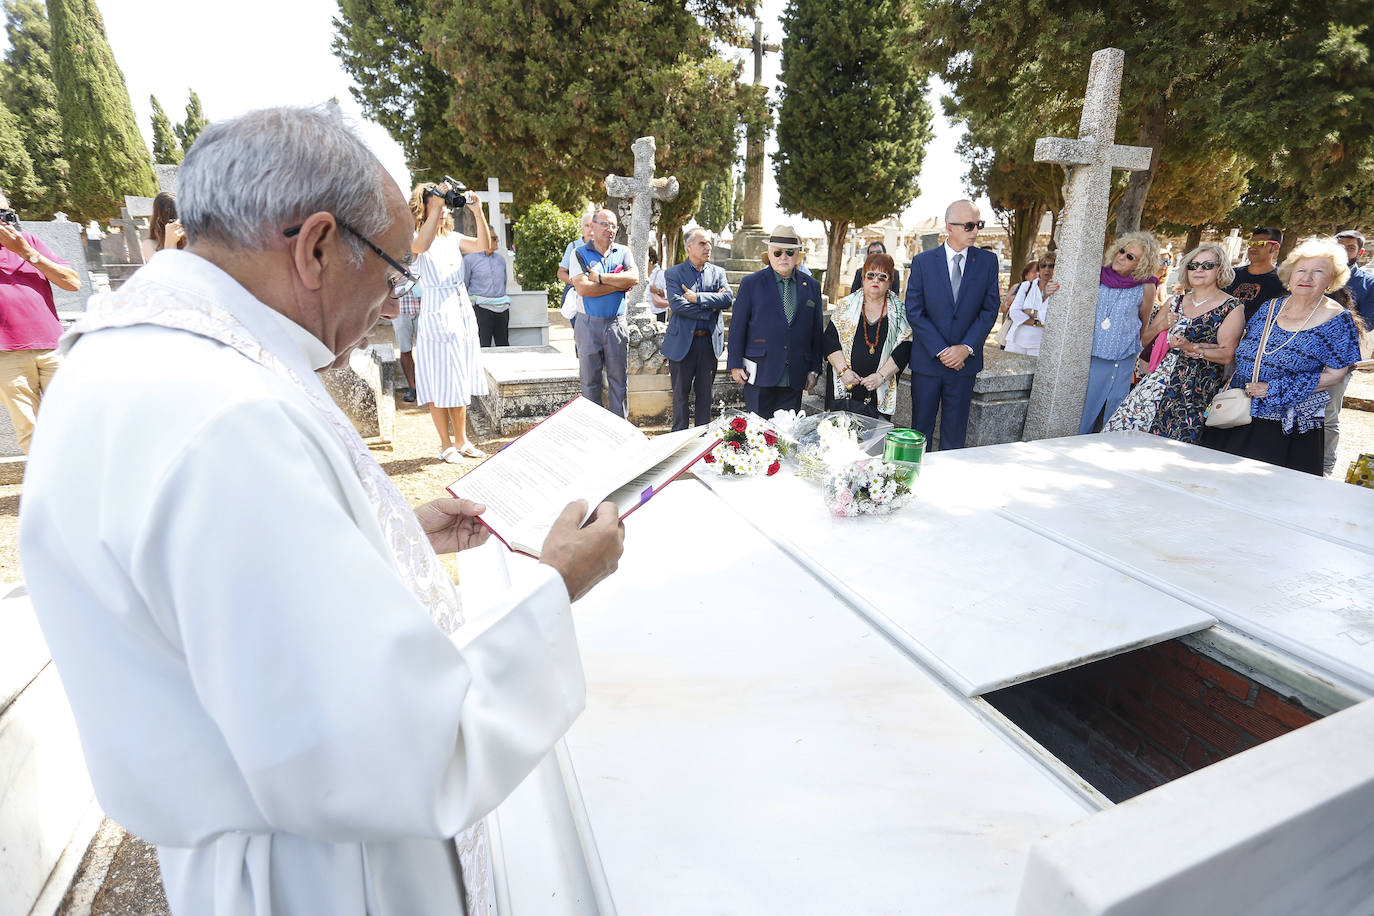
29,328
448,368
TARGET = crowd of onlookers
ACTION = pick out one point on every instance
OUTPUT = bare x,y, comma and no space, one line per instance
1170,341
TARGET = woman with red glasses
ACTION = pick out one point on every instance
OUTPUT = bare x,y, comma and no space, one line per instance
1206,325
867,344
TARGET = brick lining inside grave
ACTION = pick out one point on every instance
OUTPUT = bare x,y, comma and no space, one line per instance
1133,722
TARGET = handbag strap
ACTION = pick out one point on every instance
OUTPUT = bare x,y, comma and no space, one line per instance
1264,339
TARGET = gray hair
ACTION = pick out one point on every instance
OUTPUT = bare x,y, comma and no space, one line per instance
694,232
246,180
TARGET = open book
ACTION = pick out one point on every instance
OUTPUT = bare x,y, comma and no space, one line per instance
585,452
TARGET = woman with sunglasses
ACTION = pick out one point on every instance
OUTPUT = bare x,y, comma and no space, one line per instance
1206,324
1028,311
1125,298
867,344
448,367
1311,344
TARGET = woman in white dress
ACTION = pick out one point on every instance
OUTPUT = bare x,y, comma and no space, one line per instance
1027,312
448,368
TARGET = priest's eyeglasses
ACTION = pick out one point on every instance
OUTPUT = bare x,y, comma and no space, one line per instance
969,227
399,285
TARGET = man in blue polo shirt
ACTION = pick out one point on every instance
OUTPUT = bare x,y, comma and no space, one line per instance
603,272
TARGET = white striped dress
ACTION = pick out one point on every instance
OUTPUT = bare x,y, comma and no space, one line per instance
448,363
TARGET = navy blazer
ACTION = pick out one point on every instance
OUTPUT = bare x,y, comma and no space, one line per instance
937,321
759,330
712,298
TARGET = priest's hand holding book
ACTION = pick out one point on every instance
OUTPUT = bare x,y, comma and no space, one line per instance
584,555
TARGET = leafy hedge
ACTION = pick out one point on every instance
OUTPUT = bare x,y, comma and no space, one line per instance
540,237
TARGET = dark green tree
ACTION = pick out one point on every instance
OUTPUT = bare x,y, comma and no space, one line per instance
399,86
100,137
166,149
853,122
27,88
552,106
195,122
717,202
540,237
16,167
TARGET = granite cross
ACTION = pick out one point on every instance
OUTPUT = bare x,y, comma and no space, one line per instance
494,197
130,230
643,189
1061,373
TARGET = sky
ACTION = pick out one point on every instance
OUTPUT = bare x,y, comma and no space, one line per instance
259,53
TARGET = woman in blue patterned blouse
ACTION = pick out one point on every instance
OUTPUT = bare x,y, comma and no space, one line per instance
1311,347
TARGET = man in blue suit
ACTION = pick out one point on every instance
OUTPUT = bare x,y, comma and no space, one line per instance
697,293
776,329
951,304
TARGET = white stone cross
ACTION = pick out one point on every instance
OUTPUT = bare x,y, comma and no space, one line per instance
494,197
643,189
1061,374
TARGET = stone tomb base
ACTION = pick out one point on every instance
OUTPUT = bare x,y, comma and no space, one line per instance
1001,397
527,384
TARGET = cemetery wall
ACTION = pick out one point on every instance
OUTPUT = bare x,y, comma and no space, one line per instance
1133,722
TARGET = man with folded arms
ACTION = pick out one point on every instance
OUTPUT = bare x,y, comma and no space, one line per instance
698,293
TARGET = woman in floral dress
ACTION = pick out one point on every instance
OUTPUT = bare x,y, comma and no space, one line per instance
1172,400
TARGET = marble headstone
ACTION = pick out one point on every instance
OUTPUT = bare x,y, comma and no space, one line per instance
64,239
138,207
166,177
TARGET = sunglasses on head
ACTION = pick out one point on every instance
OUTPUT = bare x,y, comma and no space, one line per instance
1202,265
875,275
1129,256
968,227
784,252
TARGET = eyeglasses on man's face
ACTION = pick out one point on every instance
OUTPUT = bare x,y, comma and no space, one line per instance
399,285
1129,256
608,223
968,227
1260,243
784,252
1202,265
1045,265
876,275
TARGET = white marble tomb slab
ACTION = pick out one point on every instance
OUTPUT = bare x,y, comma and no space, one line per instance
1281,829
977,598
750,745
1304,502
1297,590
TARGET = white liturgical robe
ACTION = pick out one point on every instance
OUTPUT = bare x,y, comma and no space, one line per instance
258,691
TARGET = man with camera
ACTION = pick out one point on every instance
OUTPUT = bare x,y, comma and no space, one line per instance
275,679
602,273
29,328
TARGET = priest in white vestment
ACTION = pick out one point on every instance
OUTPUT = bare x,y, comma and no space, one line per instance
250,622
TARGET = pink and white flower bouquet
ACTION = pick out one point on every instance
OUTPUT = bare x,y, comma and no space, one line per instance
871,486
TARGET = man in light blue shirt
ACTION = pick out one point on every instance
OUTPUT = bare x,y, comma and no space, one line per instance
484,272
602,273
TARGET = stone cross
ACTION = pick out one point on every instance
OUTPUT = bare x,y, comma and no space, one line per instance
494,197
643,188
130,231
753,150
1061,374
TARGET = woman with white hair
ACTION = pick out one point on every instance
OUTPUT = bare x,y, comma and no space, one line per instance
1305,343
448,366
1125,298
1206,326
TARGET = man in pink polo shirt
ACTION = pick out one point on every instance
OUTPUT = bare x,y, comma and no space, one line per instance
28,320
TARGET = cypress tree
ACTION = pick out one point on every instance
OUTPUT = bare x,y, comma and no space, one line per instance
195,122
16,168
166,150
28,89
853,122
100,136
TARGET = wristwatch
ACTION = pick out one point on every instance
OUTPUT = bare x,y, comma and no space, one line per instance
33,259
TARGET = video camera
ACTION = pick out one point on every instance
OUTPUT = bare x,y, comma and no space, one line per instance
9,216
456,197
